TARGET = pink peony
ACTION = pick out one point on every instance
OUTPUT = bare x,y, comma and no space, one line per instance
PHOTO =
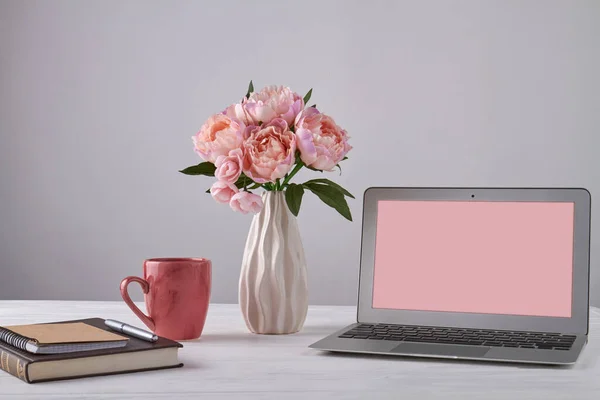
218,136
246,202
321,142
238,111
222,192
269,151
270,103
229,168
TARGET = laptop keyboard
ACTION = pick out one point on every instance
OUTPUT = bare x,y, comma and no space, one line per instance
471,337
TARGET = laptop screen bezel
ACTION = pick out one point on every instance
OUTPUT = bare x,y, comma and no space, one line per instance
577,323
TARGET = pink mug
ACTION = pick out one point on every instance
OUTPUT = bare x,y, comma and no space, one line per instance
176,292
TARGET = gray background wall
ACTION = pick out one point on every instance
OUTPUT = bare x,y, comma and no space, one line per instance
99,99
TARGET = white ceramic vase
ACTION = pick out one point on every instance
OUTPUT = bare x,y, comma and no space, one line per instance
273,281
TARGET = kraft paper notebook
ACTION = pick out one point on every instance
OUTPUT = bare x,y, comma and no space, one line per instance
60,338
133,355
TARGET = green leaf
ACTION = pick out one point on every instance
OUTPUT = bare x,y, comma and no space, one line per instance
332,184
250,89
345,158
240,183
255,186
243,181
293,197
314,106
307,96
330,196
206,168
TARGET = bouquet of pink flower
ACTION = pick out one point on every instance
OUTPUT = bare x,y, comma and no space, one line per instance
262,142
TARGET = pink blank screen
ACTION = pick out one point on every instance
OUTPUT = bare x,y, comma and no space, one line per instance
474,257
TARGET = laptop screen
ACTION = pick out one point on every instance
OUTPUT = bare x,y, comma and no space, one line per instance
513,258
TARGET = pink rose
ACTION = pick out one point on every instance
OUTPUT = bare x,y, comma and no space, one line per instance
321,142
218,136
270,103
246,202
269,151
222,192
229,168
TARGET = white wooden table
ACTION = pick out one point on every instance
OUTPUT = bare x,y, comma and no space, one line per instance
228,362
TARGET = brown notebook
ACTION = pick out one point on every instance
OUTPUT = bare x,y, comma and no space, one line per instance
137,355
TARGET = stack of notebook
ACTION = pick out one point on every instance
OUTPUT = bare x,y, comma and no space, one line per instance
76,349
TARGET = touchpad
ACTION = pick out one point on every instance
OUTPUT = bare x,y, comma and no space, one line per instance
440,350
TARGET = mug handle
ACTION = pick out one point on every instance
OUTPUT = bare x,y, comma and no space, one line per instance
145,288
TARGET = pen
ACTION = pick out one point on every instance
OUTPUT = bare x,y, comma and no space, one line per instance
131,330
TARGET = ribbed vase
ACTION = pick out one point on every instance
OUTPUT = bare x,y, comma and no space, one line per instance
273,282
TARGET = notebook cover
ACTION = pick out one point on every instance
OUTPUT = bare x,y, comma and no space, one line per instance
64,333
16,362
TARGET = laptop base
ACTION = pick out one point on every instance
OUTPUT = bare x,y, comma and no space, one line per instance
334,343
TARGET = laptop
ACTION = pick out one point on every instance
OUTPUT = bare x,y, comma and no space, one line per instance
494,274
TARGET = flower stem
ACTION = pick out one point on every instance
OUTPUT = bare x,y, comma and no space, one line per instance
297,168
